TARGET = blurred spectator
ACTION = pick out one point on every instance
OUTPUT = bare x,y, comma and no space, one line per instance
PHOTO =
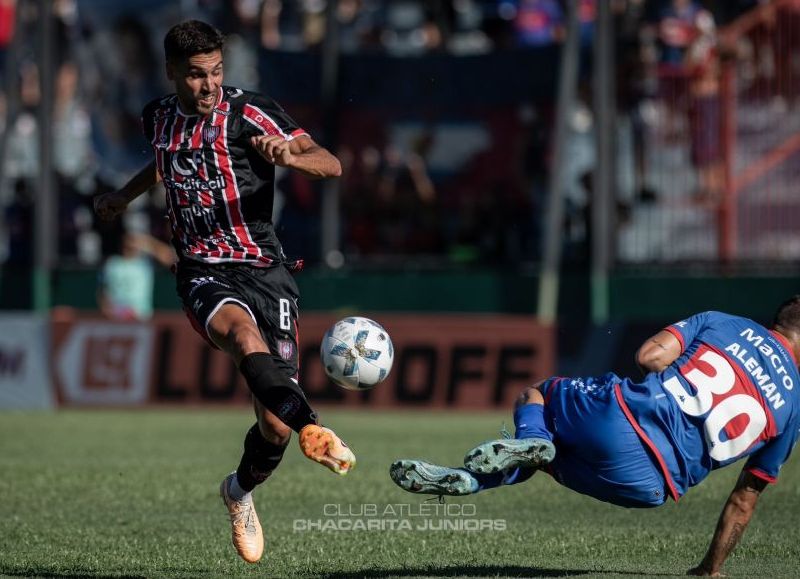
587,14
125,289
786,48
539,22
677,29
361,178
636,87
702,63
406,204
18,216
411,27
22,153
468,34
72,147
7,22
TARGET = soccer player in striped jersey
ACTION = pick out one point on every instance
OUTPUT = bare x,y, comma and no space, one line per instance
718,388
215,150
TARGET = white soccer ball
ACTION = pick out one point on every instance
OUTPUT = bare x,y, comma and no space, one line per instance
357,353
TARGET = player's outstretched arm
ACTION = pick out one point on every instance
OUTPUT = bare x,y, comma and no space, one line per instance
301,154
732,522
658,352
110,205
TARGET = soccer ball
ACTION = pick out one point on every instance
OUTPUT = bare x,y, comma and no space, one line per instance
357,353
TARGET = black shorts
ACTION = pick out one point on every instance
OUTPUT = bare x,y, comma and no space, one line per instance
269,295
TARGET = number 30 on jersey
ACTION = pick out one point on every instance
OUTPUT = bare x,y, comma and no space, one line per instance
722,412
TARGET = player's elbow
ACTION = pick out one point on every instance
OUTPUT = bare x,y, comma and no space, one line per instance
336,168
648,360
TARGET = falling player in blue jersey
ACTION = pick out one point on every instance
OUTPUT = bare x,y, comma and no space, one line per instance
718,388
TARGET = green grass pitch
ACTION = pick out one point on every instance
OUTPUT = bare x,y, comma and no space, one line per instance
134,494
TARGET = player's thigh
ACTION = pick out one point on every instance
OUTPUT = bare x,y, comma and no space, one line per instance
598,451
214,304
630,479
273,292
235,331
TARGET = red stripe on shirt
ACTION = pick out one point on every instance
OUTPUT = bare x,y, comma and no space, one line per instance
232,199
262,120
649,443
758,473
743,384
177,133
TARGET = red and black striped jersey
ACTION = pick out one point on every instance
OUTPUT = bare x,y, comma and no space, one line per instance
219,189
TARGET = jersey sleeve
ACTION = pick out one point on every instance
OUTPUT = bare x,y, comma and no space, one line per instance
686,330
766,462
263,116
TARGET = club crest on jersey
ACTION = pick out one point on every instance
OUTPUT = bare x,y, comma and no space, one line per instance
210,134
285,349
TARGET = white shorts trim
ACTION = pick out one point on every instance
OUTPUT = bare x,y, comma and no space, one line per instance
222,302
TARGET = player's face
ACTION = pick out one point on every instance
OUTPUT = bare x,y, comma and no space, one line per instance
197,81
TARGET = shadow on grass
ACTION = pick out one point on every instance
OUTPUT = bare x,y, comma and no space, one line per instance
64,575
475,571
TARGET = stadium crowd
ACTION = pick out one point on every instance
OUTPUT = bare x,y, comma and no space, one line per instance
400,193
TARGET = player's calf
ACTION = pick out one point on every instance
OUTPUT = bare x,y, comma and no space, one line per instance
259,460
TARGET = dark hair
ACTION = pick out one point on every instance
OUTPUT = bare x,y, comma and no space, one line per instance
788,314
191,37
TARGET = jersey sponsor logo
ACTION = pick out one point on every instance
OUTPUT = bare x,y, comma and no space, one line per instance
218,183
771,353
186,163
733,412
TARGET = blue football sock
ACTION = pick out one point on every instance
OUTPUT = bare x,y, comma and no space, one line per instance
496,479
529,422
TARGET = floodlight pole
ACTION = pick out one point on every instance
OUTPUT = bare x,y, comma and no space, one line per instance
547,310
602,198
330,216
45,222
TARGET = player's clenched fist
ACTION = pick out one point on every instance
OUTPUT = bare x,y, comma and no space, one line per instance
274,149
109,205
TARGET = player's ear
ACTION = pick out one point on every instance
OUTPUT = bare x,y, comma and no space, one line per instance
170,70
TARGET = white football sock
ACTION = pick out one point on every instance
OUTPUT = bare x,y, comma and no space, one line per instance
237,493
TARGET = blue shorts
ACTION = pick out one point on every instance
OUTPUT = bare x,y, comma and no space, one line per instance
598,453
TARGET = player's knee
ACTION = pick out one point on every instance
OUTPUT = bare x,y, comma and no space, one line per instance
246,338
239,338
272,428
